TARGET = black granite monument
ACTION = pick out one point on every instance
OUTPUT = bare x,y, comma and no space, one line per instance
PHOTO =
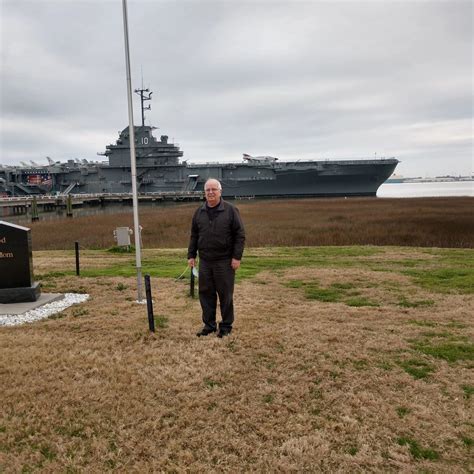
16,265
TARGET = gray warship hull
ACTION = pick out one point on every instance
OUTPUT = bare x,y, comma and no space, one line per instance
307,178
159,170
310,178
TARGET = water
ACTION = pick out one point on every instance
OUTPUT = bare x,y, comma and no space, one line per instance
438,189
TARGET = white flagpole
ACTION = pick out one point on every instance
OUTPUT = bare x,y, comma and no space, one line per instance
133,164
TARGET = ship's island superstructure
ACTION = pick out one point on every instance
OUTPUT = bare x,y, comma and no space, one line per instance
160,169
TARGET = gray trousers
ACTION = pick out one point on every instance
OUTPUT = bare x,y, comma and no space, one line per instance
216,278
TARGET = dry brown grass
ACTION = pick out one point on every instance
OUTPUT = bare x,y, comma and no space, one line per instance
425,222
299,386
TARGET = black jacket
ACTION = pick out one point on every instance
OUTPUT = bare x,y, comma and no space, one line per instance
220,238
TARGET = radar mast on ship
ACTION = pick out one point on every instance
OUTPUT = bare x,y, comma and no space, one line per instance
145,95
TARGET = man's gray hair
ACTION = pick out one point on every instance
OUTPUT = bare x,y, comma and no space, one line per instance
219,185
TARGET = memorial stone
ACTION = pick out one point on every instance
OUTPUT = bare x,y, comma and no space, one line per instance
16,265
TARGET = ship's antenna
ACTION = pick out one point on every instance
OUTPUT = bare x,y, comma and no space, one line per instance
143,97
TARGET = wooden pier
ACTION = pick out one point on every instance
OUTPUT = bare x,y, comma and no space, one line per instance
18,205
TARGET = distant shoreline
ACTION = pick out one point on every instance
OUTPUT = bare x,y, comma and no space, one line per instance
441,179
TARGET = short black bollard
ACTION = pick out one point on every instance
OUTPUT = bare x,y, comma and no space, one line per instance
76,245
191,283
149,304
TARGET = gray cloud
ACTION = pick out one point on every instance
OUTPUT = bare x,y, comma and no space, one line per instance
292,79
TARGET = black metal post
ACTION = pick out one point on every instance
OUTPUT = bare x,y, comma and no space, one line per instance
69,206
149,304
34,210
191,284
76,245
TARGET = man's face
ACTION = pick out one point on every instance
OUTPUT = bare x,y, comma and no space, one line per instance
213,193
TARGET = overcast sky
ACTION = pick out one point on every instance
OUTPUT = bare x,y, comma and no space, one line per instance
291,79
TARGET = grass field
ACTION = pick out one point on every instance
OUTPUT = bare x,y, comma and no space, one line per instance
347,359
420,222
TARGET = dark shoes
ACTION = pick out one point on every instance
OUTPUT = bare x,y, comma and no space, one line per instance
205,332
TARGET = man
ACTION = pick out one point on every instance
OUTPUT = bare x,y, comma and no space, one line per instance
218,234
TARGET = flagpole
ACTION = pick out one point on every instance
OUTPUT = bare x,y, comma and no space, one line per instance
133,164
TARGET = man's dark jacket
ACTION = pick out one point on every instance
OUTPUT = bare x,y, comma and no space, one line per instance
217,238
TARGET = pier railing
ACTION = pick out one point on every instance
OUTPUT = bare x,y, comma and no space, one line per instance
52,201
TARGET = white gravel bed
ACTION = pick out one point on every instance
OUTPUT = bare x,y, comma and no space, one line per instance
43,311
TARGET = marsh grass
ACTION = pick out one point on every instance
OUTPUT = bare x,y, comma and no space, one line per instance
300,385
425,222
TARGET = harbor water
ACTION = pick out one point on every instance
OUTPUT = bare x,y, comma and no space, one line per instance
426,189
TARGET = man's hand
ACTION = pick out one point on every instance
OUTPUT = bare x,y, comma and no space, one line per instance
192,262
235,264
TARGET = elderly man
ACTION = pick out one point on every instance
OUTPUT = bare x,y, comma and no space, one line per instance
218,235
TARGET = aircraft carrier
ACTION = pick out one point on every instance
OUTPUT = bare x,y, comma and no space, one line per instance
160,170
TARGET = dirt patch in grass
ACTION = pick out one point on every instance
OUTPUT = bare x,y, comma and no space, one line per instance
300,385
